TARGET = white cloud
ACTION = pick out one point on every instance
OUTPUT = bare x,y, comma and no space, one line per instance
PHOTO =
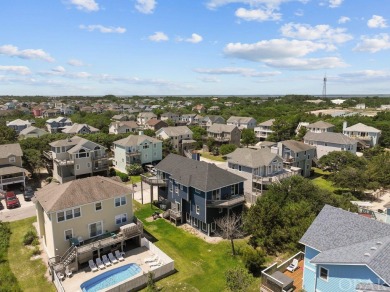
274,4
76,63
344,19
364,76
158,36
322,32
299,12
146,6
257,14
58,69
12,51
377,22
335,3
245,72
306,63
273,49
195,38
103,29
208,79
20,70
373,44
86,5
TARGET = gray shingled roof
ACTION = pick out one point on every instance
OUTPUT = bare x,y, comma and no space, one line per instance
320,125
268,123
233,119
134,140
197,174
221,128
31,129
10,149
329,137
297,146
343,237
252,158
79,192
76,128
176,131
362,128
369,287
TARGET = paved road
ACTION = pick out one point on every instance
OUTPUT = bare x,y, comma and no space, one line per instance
26,209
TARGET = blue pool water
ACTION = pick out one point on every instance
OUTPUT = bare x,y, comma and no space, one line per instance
110,278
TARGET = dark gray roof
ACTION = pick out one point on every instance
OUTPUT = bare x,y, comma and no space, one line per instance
175,131
343,237
253,158
198,174
7,150
297,146
135,140
329,137
221,128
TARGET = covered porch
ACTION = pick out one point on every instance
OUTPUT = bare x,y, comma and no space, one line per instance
10,174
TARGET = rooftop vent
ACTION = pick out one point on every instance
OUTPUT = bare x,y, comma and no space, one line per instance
379,243
367,254
373,248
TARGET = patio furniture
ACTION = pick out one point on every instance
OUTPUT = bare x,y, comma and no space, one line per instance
119,256
106,261
68,272
286,281
60,276
293,266
92,266
100,264
156,264
151,259
112,258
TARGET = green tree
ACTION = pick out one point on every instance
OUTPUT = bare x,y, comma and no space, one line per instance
254,259
378,169
167,148
7,135
134,169
302,132
248,137
33,160
283,129
149,132
227,148
170,122
350,178
238,279
198,134
337,160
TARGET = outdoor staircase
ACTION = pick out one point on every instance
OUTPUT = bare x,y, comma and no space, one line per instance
188,154
68,256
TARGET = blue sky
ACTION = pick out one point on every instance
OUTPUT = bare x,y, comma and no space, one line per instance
191,47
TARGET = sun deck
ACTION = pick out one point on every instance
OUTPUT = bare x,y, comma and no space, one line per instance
297,276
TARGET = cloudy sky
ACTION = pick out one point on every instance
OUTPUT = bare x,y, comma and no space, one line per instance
147,47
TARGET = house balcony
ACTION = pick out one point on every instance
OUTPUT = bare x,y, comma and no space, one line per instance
288,159
133,154
63,162
10,180
100,167
96,157
48,155
231,202
154,180
277,278
275,177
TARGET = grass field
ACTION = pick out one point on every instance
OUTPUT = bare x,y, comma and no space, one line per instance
29,273
200,265
212,157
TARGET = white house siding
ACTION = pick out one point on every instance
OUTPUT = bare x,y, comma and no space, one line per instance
326,148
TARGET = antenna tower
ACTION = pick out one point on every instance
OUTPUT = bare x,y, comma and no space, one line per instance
324,87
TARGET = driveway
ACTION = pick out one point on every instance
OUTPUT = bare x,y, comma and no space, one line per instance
26,209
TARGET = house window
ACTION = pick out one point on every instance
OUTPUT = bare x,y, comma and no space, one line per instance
120,201
145,146
120,219
204,226
68,234
220,210
197,209
76,212
95,229
181,187
98,206
69,214
77,166
89,165
60,216
176,190
154,145
324,273
12,159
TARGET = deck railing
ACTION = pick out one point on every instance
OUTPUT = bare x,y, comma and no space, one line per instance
234,200
12,179
154,180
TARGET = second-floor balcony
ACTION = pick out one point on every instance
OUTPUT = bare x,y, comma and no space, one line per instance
133,153
275,177
12,179
154,180
227,203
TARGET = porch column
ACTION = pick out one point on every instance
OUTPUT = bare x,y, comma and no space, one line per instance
142,192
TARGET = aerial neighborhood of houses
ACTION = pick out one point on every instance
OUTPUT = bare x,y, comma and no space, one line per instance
103,174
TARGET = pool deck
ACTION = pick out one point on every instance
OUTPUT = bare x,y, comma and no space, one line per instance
136,256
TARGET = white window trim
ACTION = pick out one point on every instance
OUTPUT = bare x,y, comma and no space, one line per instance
120,223
64,211
120,201
65,233
12,159
101,206
204,224
327,278
197,209
89,229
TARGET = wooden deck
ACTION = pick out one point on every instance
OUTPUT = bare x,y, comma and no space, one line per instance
297,276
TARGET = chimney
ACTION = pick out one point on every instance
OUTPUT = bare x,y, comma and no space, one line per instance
345,125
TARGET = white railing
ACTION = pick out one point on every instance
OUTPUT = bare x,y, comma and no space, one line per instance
12,179
57,282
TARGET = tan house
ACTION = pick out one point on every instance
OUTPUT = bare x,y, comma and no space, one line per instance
180,137
224,134
32,132
155,124
119,127
85,218
11,171
79,129
75,158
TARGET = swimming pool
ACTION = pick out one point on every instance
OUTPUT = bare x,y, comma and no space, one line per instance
110,278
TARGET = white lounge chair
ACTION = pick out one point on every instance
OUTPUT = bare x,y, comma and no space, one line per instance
92,266
293,266
156,264
100,264
68,272
106,261
151,259
119,256
112,258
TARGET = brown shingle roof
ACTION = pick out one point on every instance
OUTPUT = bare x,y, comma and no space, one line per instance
79,192
10,149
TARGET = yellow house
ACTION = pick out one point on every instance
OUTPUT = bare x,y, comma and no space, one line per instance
84,218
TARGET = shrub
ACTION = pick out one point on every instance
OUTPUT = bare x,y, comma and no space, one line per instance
134,169
35,251
253,259
227,148
112,172
123,176
238,279
29,237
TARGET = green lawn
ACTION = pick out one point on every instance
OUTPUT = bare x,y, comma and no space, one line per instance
320,180
135,179
212,157
29,273
200,265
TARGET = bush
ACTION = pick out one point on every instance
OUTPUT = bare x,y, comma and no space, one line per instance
29,237
227,148
123,176
253,259
134,169
35,251
238,279
112,172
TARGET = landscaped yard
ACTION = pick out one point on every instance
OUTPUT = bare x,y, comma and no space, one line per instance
29,273
200,265
208,155
319,179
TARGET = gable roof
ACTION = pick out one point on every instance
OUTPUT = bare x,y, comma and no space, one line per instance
129,124
343,237
320,125
221,128
252,158
133,140
54,197
297,146
268,123
153,122
329,137
175,131
76,128
362,128
77,142
7,150
19,122
233,119
197,174
147,115
31,129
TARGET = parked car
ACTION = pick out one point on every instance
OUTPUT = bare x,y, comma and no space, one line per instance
28,194
11,200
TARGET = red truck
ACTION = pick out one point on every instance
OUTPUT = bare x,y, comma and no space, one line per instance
11,201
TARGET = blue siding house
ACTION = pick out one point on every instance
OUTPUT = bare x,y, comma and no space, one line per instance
346,252
199,192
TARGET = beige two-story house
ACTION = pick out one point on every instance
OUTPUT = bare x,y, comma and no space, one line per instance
180,137
224,134
11,171
83,214
76,157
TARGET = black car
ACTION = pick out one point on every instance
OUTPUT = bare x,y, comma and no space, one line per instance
28,194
